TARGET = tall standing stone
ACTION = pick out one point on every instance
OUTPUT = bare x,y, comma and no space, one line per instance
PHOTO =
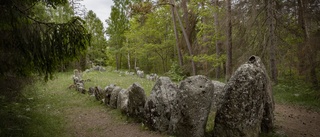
248,102
136,101
160,103
193,102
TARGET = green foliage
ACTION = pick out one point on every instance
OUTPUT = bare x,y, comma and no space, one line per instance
214,59
176,73
32,45
97,49
151,42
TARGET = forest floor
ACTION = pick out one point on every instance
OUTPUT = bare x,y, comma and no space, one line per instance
290,121
296,121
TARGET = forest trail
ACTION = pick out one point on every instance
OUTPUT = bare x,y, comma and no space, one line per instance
83,122
97,122
295,121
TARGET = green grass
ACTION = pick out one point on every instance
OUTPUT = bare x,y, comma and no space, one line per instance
104,79
296,92
41,109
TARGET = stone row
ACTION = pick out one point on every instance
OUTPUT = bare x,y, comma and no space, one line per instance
243,107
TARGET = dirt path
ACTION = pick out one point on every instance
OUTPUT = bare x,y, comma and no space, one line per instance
97,122
297,121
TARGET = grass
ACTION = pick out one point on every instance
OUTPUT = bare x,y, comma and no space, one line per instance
104,79
41,108
296,92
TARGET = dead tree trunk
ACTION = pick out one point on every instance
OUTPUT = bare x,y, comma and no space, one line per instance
176,34
187,41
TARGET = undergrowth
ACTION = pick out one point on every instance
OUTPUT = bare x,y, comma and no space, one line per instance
296,92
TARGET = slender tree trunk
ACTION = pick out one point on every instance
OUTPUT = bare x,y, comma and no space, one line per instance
135,62
301,52
229,41
117,61
217,32
176,34
307,49
271,42
129,65
187,41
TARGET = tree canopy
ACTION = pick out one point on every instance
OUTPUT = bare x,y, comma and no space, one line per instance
32,44
212,37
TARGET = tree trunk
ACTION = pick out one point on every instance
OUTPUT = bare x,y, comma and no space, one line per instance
301,52
217,33
129,65
135,62
229,41
271,42
117,61
187,41
176,34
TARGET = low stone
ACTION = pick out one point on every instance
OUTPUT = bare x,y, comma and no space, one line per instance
108,90
114,97
160,104
248,105
192,107
98,93
140,73
122,102
99,68
82,90
91,90
136,101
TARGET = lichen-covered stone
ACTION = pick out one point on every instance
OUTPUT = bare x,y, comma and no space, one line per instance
98,93
248,97
122,102
114,96
108,90
160,104
218,95
91,90
192,106
136,101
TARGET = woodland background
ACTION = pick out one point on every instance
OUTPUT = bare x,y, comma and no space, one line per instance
177,38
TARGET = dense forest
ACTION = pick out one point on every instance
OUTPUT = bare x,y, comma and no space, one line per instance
212,37
177,38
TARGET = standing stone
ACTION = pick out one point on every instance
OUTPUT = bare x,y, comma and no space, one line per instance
193,102
114,97
122,102
218,95
248,98
159,105
108,90
136,101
